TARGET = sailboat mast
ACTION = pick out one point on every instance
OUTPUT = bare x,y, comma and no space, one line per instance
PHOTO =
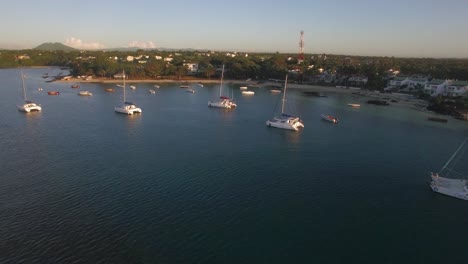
221,85
454,154
123,76
284,94
24,88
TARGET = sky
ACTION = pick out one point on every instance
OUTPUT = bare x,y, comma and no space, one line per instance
400,28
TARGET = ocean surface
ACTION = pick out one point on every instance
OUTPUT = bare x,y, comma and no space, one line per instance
185,183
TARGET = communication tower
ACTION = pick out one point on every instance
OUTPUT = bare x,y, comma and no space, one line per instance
300,56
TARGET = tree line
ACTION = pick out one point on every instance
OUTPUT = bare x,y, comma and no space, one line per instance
256,66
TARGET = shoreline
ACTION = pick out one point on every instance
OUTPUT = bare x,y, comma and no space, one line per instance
251,84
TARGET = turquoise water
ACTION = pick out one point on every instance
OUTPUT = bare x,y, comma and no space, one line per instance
184,183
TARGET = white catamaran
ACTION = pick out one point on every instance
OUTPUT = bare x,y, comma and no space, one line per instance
225,101
27,106
456,187
127,107
285,121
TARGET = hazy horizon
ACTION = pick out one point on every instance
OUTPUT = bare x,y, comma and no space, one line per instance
421,29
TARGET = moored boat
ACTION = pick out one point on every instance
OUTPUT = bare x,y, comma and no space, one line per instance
248,92
450,182
243,88
437,119
330,118
85,93
285,121
354,105
75,86
110,90
152,91
53,93
275,91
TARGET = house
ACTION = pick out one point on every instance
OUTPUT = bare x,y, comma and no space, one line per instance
357,81
168,59
398,82
436,87
456,88
130,58
158,57
192,67
23,57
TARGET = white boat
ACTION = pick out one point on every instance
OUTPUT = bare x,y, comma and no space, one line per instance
152,91
458,185
225,101
190,90
354,105
85,93
27,106
243,88
156,86
330,118
201,85
128,108
248,92
133,87
184,86
285,121
275,91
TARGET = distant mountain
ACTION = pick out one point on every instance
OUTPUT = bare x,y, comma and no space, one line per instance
54,46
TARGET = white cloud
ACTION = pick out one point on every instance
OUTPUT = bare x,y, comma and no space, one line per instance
79,44
142,44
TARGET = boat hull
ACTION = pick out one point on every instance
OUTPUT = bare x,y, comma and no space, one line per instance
222,104
457,188
29,108
331,119
289,124
127,109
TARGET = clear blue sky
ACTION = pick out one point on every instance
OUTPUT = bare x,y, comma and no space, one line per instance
402,28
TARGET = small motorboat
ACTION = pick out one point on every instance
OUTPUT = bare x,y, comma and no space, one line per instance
110,90
184,86
354,105
133,87
53,93
275,91
152,91
248,92
190,90
75,86
243,87
156,86
330,118
85,93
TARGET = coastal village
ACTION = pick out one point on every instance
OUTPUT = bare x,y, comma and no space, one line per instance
317,70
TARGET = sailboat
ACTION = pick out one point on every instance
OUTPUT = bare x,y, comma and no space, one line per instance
28,106
285,121
456,187
225,101
128,108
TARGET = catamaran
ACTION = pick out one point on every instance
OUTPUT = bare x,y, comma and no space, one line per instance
225,101
128,108
285,121
456,187
28,106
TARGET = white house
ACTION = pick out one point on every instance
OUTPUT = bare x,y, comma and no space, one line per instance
192,67
158,57
398,81
436,87
456,88
130,58
168,59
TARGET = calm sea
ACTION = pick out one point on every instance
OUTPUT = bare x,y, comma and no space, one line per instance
183,183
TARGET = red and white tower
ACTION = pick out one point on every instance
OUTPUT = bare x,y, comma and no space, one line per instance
300,56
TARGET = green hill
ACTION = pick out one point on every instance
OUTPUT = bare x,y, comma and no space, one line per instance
54,46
